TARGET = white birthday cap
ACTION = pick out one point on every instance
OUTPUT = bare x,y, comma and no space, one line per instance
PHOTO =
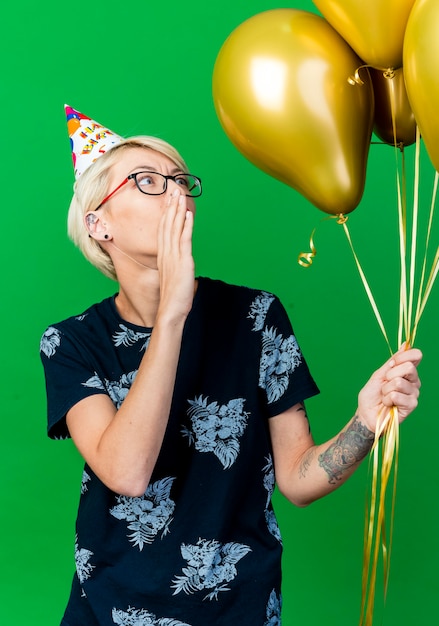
89,140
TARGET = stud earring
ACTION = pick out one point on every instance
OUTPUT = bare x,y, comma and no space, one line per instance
105,236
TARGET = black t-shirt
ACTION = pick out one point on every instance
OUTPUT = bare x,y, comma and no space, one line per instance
202,545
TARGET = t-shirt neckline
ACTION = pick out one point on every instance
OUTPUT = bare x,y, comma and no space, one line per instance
120,320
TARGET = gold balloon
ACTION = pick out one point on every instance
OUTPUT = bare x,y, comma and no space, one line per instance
281,92
373,28
421,72
391,96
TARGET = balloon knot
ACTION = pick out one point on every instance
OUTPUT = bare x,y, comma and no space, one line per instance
389,73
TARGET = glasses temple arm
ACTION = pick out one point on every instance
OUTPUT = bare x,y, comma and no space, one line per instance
124,182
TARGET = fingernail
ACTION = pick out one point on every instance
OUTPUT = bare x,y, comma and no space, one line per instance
176,193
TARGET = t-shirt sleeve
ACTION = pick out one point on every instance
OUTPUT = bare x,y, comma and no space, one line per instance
283,372
69,378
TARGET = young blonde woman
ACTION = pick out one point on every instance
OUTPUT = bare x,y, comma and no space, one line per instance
185,397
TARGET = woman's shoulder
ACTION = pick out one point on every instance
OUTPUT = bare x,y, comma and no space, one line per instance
229,303
89,317
221,288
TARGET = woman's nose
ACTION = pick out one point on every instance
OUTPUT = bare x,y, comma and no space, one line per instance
172,186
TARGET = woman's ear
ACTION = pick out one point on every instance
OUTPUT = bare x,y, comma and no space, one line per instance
95,227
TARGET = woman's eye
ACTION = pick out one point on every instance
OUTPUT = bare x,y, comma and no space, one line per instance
145,180
181,180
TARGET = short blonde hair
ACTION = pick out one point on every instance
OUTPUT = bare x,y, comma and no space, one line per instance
92,187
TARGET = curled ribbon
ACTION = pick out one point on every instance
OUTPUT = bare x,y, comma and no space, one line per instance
305,259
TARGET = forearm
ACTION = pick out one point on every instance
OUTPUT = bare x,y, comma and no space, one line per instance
323,468
306,472
124,449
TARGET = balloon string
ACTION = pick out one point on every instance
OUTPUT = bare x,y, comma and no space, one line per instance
403,324
375,514
430,282
369,526
414,227
422,300
367,287
375,528
388,428
401,190
375,525
413,319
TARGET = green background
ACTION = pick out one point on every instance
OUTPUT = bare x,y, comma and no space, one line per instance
146,68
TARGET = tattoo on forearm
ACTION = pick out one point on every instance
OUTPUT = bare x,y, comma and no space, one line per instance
351,447
306,463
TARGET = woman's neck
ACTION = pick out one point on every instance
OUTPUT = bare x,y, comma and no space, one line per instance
138,300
